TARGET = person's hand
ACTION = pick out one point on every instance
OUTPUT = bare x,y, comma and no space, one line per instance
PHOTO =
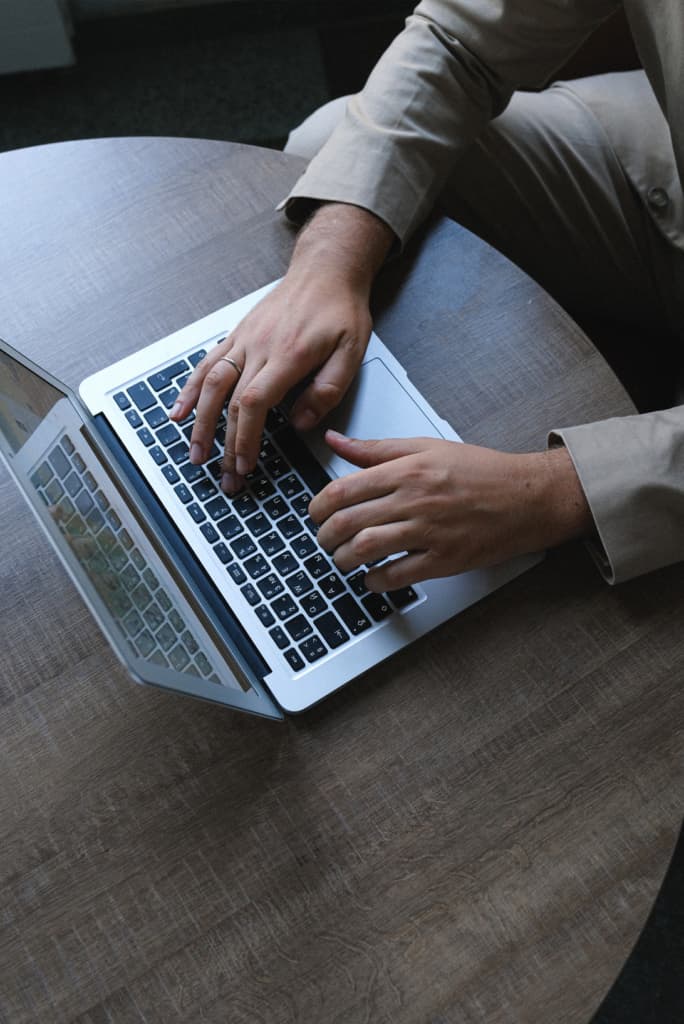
315,321
446,507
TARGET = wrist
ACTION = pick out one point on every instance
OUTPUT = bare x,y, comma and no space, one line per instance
563,504
346,243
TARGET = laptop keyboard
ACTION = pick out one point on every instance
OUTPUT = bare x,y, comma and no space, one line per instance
150,620
263,536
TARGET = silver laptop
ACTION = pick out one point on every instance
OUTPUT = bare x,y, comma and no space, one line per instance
227,599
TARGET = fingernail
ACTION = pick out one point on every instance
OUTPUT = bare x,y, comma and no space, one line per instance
176,411
195,452
241,465
305,420
228,482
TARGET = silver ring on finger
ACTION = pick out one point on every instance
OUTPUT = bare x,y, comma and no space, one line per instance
227,359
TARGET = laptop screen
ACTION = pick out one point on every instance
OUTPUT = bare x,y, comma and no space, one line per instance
150,624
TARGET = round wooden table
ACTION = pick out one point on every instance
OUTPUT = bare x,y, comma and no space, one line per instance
475,831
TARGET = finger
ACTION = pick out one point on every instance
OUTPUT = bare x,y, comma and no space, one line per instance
219,381
401,572
189,393
372,544
345,523
328,387
351,492
365,453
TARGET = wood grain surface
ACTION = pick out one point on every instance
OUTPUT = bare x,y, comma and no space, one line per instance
474,832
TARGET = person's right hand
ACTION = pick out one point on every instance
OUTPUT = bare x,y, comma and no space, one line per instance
315,321
307,323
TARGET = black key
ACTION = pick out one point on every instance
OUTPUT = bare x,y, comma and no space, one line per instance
223,552
272,543
257,566
205,489
230,526
303,546
59,461
294,449
182,381
167,398
245,505
301,504
141,396
68,445
134,418
294,660
168,435
79,463
42,475
299,583
313,649
277,467
122,401
126,539
317,565
156,417
285,563
258,524
261,487
95,520
179,453
356,582
289,526
243,546
290,485
267,451
84,502
276,507
150,579
331,629
183,493
377,606
138,559
196,512
351,614
270,586
331,585
54,491
214,469
191,473
158,454
146,436
250,594
171,475
209,533
284,607
402,597
113,520
313,604
73,484
274,420
179,658
311,526
279,637
163,378
197,357
218,508
265,615
299,627
236,574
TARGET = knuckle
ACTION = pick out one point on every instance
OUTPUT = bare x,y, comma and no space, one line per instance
252,397
362,544
214,379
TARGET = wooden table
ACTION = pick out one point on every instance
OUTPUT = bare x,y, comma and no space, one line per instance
474,832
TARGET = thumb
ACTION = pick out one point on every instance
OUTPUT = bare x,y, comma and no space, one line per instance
371,452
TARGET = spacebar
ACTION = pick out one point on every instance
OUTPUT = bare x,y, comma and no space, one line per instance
301,459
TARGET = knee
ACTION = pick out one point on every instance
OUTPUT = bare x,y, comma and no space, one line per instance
308,137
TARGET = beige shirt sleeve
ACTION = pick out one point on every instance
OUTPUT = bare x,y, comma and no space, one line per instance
452,69
639,513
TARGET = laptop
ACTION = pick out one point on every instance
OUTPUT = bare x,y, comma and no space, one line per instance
229,599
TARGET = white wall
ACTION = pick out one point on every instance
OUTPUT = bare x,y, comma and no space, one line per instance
34,34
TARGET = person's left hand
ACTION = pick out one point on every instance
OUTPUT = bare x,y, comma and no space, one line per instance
448,507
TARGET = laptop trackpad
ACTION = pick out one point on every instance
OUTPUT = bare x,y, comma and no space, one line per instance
376,406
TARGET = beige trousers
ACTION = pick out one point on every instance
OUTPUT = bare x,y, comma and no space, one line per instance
545,186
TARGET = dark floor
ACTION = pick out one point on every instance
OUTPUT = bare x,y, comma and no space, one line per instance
216,73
